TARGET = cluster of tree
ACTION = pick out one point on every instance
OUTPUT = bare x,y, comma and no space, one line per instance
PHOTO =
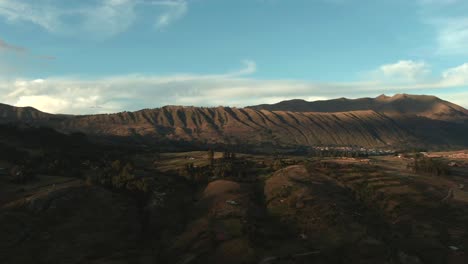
198,174
121,176
338,153
227,155
229,166
21,174
332,166
238,169
280,163
431,166
26,166
59,164
38,150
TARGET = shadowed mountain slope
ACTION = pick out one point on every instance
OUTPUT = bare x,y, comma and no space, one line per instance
10,113
245,126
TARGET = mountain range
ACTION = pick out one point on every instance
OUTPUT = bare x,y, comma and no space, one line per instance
383,122
400,104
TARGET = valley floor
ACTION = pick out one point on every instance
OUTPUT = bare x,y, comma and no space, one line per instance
202,207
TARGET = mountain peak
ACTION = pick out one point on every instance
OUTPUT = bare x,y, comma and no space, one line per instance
382,96
400,96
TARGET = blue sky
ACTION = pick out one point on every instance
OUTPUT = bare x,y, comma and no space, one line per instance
95,56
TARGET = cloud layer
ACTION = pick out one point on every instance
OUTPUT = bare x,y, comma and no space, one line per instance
405,70
133,92
449,19
96,18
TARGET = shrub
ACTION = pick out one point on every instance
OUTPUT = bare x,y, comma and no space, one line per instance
430,166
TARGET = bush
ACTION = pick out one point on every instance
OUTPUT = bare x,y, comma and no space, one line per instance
430,166
20,174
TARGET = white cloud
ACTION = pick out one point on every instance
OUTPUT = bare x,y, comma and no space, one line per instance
250,68
100,19
133,92
459,98
50,103
404,70
174,11
407,74
457,76
74,95
452,36
449,20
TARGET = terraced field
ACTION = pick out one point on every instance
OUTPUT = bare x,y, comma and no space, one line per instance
328,210
426,214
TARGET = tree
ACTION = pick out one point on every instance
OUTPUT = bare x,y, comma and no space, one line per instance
123,176
432,166
278,164
211,157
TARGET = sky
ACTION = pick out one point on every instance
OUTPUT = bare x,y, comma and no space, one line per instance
102,56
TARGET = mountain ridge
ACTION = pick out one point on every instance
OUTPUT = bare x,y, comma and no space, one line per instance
420,105
256,126
13,113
